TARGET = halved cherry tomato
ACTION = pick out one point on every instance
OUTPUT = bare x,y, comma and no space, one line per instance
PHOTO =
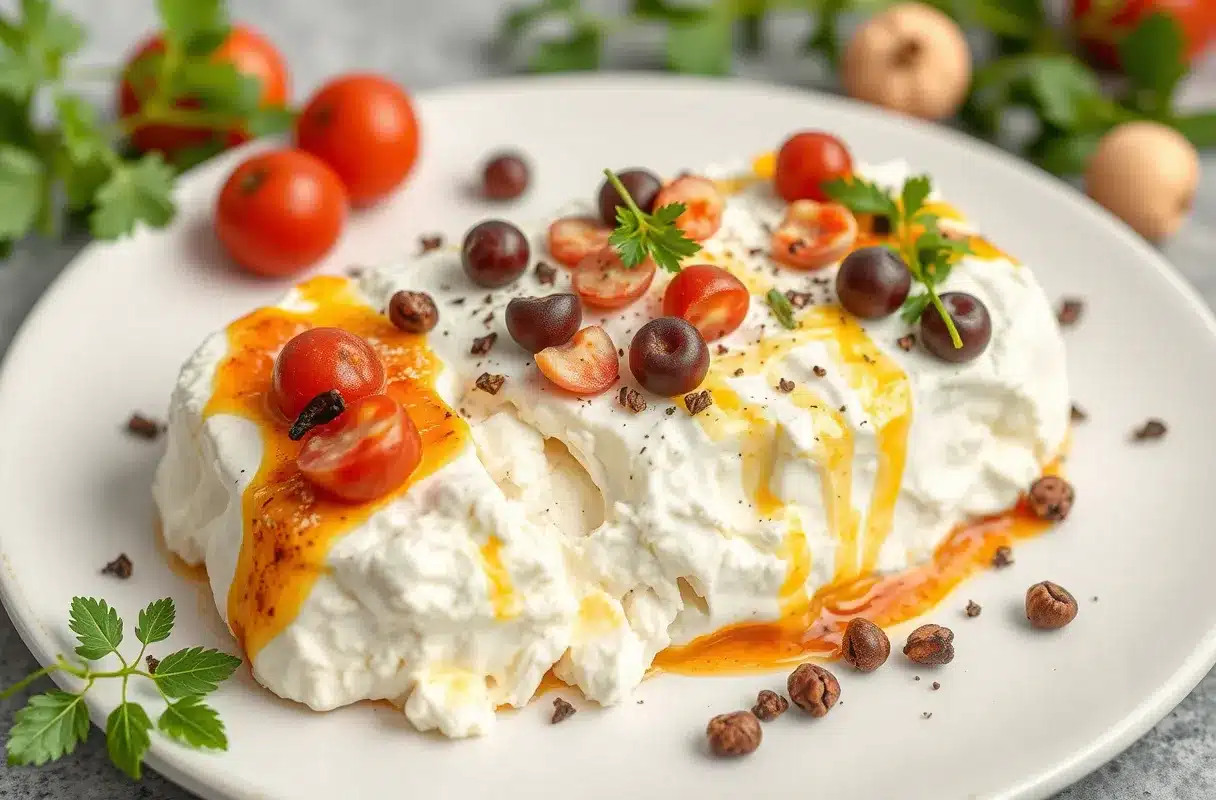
806,161
587,364
571,239
322,359
601,279
814,235
365,453
246,49
279,212
363,126
703,205
709,297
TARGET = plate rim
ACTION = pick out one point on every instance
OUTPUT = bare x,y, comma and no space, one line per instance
180,765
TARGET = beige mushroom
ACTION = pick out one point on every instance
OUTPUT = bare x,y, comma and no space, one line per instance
910,58
1146,174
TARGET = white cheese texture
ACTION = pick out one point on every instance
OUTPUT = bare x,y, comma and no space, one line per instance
619,533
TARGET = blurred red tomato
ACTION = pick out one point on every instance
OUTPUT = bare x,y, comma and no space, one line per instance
1101,23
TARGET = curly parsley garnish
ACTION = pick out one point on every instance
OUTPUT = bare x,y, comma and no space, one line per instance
928,252
639,235
53,723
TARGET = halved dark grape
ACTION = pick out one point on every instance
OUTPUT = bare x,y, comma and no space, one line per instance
873,282
505,177
643,186
540,322
668,356
970,317
494,253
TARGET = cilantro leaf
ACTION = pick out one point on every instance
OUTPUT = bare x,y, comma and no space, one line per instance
194,25
127,738
156,621
193,722
1152,57
82,136
701,44
862,197
36,47
219,86
21,180
47,729
135,192
1067,91
97,627
18,77
579,51
914,307
195,670
915,192
781,308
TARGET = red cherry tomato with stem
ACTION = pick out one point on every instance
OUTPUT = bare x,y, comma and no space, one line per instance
808,160
709,297
364,454
322,359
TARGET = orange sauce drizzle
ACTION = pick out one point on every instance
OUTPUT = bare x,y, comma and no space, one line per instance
288,527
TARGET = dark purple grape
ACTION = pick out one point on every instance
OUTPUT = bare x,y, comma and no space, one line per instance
668,356
643,186
971,319
873,282
494,253
539,322
505,177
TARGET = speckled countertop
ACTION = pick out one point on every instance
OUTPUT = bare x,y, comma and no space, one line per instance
426,43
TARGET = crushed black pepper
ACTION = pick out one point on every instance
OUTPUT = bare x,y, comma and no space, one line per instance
1151,429
1077,414
1070,311
819,371
121,567
483,344
546,273
631,399
490,383
429,242
906,343
696,402
973,609
785,386
1003,557
144,427
152,663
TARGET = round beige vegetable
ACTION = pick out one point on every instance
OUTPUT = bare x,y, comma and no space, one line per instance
1146,174
910,58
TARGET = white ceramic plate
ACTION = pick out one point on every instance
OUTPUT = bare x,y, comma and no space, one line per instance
1019,713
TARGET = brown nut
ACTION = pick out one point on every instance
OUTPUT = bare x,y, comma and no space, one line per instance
735,734
931,645
770,705
1051,498
864,647
413,312
1050,606
813,689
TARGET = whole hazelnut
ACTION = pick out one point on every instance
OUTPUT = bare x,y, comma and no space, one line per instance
813,689
864,646
911,58
735,734
769,705
1050,606
1146,174
1051,498
931,645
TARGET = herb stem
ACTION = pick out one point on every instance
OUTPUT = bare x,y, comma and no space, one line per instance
955,339
624,193
27,680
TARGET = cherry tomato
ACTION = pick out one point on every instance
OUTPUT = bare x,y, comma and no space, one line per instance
601,280
587,364
571,239
321,359
709,297
364,127
279,212
814,235
1100,24
806,161
365,453
246,49
703,205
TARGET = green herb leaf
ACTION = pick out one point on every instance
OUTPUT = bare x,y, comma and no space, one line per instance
1152,57
668,11
267,121
36,48
195,670
194,24
1199,128
1021,19
701,44
1066,154
915,192
862,197
825,36
47,729
97,627
781,308
914,307
579,51
82,136
520,19
127,738
219,86
193,722
156,621
80,180
186,158
18,77
1065,88
21,180
138,192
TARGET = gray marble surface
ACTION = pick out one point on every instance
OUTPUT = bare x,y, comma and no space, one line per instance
426,43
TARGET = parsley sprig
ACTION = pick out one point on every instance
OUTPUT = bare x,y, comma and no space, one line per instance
928,252
84,160
639,235
54,722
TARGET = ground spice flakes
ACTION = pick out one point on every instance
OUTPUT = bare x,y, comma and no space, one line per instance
120,568
490,383
483,344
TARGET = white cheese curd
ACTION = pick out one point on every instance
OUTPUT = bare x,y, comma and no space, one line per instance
623,533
